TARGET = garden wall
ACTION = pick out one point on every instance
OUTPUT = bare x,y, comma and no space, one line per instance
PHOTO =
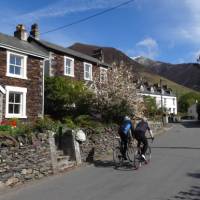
21,164
101,144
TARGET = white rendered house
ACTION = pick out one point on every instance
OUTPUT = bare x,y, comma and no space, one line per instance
162,96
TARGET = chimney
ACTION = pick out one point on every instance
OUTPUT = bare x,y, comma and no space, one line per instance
98,53
35,31
21,32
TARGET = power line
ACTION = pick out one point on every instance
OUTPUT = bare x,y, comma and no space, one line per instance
87,18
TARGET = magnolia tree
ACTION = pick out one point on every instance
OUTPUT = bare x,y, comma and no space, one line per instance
116,95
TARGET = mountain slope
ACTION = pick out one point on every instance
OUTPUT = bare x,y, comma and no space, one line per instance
186,74
141,66
110,54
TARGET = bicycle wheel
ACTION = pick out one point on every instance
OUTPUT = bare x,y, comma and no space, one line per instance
117,157
137,158
148,154
130,152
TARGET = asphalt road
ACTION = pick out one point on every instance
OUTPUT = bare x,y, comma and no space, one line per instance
173,174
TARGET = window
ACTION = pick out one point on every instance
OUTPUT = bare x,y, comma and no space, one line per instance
174,101
165,102
174,110
103,75
88,71
16,65
15,102
69,66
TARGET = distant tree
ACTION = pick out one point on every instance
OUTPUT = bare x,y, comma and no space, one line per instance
150,103
186,100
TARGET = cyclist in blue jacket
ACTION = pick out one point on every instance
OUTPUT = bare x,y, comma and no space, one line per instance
139,133
125,131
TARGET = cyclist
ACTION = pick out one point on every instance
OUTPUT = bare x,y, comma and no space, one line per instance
139,133
125,131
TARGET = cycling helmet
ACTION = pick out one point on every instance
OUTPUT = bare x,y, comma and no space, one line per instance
127,118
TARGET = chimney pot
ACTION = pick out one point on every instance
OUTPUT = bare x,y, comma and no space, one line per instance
21,32
35,31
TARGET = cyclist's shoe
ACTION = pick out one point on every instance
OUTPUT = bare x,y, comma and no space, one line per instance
143,157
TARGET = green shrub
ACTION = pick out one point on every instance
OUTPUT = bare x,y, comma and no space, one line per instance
116,111
46,123
64,97
83,121
69,123
5,128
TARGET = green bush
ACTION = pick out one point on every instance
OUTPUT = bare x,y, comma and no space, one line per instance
5,128
46,123
65,97
116,111
69,123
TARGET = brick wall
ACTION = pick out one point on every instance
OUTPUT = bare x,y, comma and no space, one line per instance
33,83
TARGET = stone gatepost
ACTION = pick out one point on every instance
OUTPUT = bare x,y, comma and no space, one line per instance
53,151
77,151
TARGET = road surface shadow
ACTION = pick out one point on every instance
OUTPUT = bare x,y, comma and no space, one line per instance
126,166
193,193
181,147
191,124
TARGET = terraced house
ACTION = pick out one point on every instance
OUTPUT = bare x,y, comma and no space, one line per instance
67,62
25,60
21,76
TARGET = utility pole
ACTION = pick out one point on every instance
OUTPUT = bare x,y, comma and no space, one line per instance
161,95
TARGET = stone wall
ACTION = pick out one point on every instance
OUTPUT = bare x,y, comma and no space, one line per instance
97,145
101,144
57,68
30,162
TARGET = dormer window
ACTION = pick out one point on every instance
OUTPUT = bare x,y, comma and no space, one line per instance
16,65
68,66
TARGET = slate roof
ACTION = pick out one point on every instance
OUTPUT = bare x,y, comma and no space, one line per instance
69,52
16,44
157,91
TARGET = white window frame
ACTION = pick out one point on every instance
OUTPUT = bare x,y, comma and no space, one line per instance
23,67
72,67
21,90
90,71
104,72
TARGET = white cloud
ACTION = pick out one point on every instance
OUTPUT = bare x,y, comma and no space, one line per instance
64,7
189,30
147,48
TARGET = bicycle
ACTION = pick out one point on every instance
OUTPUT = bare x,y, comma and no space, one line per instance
138,160
117,152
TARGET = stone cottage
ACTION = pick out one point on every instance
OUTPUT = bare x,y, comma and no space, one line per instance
21,77
67,62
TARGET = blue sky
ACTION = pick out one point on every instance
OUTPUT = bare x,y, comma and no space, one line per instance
168,31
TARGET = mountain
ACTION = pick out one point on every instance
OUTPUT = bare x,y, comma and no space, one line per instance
186,74
150,70
110,54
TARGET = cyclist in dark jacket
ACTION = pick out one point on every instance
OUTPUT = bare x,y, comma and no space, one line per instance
125,131
140,131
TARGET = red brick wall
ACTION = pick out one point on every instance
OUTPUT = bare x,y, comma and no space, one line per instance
33,84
